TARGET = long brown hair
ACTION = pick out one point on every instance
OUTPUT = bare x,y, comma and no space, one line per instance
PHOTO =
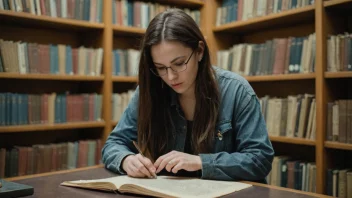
154,119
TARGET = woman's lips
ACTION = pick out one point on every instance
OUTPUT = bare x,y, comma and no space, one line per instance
176,85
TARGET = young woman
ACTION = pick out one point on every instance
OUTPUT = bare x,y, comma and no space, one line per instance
188,117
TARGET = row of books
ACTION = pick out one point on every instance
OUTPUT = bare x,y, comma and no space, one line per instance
294,116
119,103
125,62
339,182
292,173
41,158
278,56
241,10
339,49
139,13
21,109
88,10
339,121
22,57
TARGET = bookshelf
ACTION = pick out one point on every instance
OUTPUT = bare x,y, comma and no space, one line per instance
330,17
322,18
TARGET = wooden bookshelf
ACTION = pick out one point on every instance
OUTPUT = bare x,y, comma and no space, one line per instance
31,20
50,77
289,140
114,123
48,127
288,17
338,145
346,74
183,3
128,31
131,79
255,30
53,173
336,3
283,77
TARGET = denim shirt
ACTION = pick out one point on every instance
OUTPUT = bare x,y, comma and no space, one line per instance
242,149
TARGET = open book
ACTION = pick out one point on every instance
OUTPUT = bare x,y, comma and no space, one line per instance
163,186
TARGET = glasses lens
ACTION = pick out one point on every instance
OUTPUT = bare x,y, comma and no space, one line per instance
179,68
158,72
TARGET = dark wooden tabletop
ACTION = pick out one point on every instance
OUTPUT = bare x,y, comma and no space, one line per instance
49,186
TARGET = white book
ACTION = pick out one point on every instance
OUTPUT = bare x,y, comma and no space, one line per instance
64,8
37,7
99,61
163,186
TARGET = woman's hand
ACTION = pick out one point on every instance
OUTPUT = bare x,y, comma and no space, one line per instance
175,161
138,166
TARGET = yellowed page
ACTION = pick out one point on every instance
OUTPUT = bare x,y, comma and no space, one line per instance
176,186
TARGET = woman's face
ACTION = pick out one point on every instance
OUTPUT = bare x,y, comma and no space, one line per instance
183,60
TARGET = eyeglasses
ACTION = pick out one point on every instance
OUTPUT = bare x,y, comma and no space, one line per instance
177,67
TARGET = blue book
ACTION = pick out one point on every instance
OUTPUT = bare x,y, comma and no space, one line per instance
54,53
25,108
130,12
117,63
69,60
86,10
63,109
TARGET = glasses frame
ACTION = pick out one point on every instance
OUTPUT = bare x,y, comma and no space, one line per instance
185,63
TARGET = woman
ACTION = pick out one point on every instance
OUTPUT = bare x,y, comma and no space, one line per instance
188,117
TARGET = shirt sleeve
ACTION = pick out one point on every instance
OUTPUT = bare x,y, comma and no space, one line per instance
254,153
119,143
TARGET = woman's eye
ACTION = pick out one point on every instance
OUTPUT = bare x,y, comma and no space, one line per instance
179,64
160,68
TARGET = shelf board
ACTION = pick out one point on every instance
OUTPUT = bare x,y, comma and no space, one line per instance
346,74
183,3
128,31
284,18
282,77
31,20
44,127
131,79
338,145
50,77
114,123
290,140
53,173
337,3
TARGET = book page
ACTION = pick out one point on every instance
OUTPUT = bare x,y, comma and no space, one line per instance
177,186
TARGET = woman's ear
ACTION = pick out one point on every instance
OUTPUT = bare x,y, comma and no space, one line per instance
200,52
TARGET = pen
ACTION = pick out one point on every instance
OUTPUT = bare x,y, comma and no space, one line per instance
140,152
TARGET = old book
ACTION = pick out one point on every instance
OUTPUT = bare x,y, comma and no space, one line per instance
163,186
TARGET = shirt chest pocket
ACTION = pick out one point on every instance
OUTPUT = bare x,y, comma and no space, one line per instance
223,137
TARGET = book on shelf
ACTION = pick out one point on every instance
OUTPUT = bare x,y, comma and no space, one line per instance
339,52
139,13
163,186
22,109
24,58
241,10
292,173
278,56
87,10
41,158
339,121
125,62
294,116
339,182
119,103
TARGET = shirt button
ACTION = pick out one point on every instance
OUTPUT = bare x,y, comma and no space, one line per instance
184,127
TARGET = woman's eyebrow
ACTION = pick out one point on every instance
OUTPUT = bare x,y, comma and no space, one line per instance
173,60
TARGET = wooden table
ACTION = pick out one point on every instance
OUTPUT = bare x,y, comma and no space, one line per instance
48,185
